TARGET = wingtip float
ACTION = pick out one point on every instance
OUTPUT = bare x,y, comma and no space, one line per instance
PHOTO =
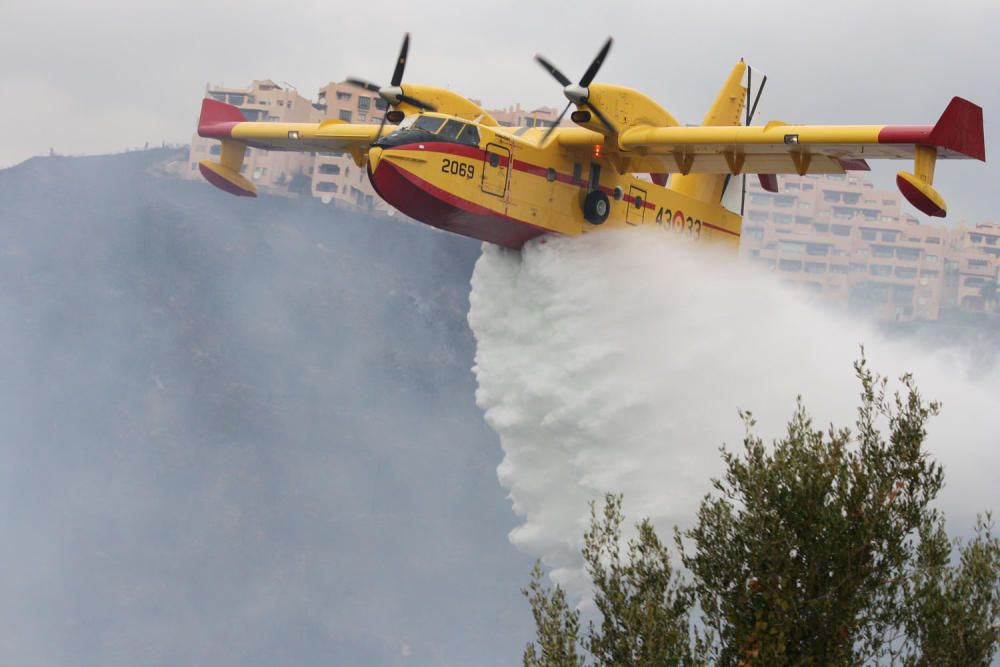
449,164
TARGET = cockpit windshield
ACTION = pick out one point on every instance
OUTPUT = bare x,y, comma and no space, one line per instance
431,128
430,123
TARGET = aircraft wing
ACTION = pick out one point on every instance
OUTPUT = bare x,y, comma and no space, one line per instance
780,148
226,122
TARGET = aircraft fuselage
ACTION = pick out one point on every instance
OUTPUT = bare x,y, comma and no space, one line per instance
497,185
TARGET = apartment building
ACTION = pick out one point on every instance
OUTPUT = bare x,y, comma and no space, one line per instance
854,246
515,116
973,268
335,176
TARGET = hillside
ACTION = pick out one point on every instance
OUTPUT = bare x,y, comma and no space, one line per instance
239,432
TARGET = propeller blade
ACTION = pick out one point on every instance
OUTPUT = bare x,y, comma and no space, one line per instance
397,74
552,129
414,102
591,72
361,83
553,70
378,135
600,116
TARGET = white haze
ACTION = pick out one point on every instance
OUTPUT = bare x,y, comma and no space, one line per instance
617,362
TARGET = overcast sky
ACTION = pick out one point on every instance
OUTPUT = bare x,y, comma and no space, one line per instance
106,75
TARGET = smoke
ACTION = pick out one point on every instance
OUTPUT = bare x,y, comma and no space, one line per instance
616,362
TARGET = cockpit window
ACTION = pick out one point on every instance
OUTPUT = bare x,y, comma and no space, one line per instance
431,128
459,133
470,136
450,130
428,123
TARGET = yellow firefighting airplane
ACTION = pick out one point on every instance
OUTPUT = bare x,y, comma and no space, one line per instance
451,165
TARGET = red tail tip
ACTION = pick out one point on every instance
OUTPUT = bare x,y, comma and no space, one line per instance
218,118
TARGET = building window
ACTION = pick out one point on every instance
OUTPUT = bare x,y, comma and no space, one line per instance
326,186
815,267
345,115
880,270
818,249
216,149
790,265
364,102
343,96
380,104
333,169
881,251
902,295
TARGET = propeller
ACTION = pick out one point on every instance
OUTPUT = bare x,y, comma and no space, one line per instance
578,93
393,93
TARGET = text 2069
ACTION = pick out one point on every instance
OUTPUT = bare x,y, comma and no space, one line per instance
458,168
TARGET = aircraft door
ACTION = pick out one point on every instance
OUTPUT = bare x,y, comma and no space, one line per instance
495,165
636,206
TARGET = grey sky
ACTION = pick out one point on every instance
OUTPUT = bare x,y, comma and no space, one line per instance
109,74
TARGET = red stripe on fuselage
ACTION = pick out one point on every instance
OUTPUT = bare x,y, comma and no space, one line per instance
518,165
430,204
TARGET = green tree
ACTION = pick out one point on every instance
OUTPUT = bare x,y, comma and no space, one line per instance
955,617
822,549
645,612
557,627
802,554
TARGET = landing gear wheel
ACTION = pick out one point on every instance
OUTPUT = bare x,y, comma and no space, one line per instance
596,207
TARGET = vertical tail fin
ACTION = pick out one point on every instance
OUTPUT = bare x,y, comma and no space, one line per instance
726,110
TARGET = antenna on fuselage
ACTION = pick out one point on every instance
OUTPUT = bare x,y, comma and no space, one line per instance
751,110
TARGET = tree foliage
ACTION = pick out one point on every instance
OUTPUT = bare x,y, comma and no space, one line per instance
644,610
557,627
821,549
